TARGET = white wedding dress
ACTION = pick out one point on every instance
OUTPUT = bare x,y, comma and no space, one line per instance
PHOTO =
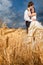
33,26
31,30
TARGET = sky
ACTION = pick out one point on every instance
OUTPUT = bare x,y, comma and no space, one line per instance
12,11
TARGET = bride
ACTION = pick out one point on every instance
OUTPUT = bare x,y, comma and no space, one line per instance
34,24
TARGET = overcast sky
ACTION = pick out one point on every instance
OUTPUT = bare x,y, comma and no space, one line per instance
12,11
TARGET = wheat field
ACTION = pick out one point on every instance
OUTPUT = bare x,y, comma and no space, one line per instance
15,48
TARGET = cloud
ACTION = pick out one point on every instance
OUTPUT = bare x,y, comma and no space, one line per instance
6,13
22,24
6,20
4,5
10,14
5,10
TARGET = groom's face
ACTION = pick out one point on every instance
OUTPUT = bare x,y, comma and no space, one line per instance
31,7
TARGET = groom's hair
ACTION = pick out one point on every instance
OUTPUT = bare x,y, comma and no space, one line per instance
30,3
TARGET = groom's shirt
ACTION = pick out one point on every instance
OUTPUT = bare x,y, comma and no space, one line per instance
26,16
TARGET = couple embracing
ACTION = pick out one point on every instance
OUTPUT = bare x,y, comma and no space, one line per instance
30,16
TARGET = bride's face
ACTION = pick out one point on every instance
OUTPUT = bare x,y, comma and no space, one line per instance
32,10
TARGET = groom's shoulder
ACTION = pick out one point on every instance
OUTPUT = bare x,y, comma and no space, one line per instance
26,11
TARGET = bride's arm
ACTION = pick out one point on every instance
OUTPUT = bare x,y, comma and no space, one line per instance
33,14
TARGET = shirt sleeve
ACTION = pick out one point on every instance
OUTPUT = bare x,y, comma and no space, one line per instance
26,16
